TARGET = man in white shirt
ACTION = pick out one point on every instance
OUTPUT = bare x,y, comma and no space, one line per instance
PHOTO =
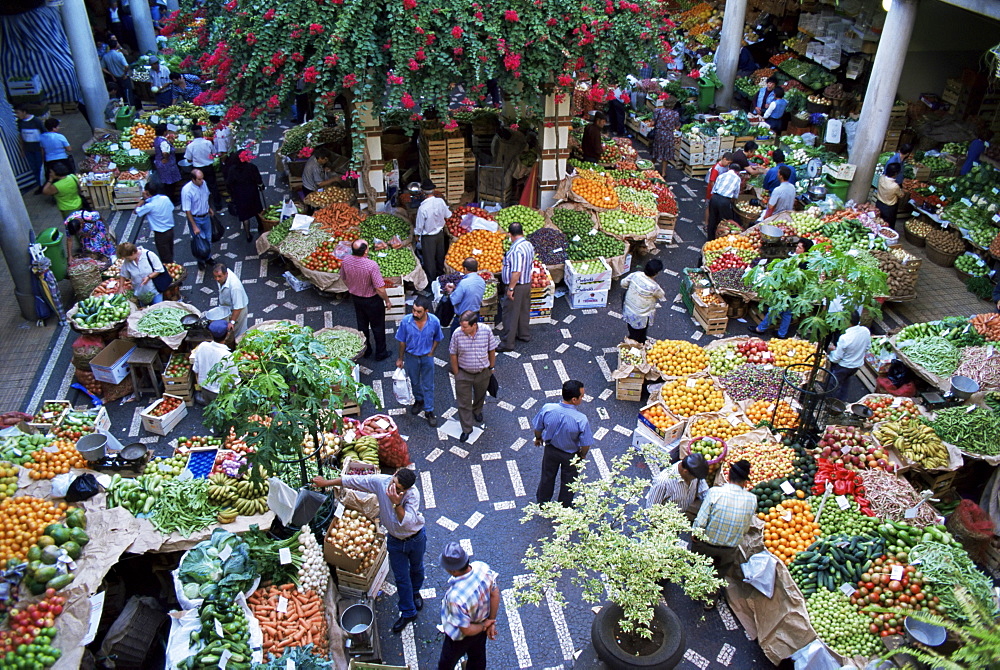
194,202
205,356
720,206
430,228
232,296
783,196
115,65
849,354
683,484
222,139
201,154
159,213
159,81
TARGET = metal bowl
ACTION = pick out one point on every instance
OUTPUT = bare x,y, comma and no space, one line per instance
925,633
963,387
134,452
771,233
863,411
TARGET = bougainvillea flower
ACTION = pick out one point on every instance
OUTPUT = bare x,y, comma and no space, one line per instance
315,28
407,101
269,14
310,74
510,15
456,32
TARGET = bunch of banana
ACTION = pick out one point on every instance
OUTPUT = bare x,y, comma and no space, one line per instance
915,441
363,449
220,489
227,515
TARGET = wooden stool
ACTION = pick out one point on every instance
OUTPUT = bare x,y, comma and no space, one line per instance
144,364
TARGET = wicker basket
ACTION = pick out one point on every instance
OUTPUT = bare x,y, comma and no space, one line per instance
913,239
940,258
85,276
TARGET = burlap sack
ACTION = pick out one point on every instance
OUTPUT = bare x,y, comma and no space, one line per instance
565,192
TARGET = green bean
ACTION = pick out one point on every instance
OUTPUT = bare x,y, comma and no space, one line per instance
935,354
944,566
183,506
976,431
162,322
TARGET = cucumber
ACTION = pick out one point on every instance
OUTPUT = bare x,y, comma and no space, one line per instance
59,582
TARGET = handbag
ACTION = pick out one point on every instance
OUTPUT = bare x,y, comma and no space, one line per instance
161,281
218,230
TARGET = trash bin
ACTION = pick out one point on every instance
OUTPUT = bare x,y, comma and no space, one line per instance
837,187
125,117
54,244
706,91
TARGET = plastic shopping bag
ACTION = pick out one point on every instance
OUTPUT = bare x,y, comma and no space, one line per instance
401,387
758,572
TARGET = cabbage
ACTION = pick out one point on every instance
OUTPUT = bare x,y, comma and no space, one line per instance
191,591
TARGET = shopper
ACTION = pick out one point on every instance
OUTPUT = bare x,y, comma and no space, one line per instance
89,229
516,276
847,357
399,513
765,96
65,188
184,87
430,228
616,112
367,288
233,297
141,267
642,295
592,145
900,157
724,518
205,357
741,159
774,115
159,213
467,296
316,173
682,484
771,176
246,189
468,610
720,206
31,128
565,432
783,197
889,194
721,167
199,213
116,67
418,335
201,154
159,80
55,147
473,358
165,163
666,121
785,322
976,149
222,138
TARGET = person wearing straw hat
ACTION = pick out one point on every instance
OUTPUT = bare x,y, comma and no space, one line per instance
468,610
683,484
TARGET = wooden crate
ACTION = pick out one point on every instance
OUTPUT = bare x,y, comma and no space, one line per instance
939,482
711,325
355,585
697,171
99,195
629,388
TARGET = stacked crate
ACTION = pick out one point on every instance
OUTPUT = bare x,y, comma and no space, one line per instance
587,289
126,197
455,179
989,111
394,291
434,161
713,318
443,161
897,124
693,155
183,386
542,300
629,388
98,194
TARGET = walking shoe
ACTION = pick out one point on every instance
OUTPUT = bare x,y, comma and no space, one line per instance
401,623
418,600
433,422
464,436
416,409
382,357
504,348
478,416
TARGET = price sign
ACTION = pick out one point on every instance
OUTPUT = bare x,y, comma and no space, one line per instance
182,137
848,589
226,552
897,573
576,238
970,409
140,131
114,147
476,252
50,449
691,383
733,419
381,254
154,119
996,218
173,127
593,231
282,606
556,251
112,166
284,555
730,354
931,188
339,512
224,658
842,502
134,152
218,629
289,664
787,516
787,488
989,351
966,202
126,145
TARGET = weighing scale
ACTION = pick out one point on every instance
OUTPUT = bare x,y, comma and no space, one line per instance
774,243
961,390
360,626
129,462
814,168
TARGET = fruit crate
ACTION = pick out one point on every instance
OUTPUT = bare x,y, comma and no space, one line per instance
629,388
52,419
99,195
665,226
710,310
177,358
20,87
669,434
162,425
593,281
711,325
353,585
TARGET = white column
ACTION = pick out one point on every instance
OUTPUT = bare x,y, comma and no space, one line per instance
881,94
173,5
727,56
143,22
88,70
14,237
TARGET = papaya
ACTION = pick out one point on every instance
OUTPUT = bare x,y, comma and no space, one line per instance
79,535
35,553
75,518
35,588
44,573
58,532
72,549
58,582
51,554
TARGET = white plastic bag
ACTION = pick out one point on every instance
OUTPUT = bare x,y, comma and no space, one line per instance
758,572
815,656
401,388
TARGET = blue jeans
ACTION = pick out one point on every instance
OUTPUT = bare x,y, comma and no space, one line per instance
406,558
35,162
786,322
843,376
420,370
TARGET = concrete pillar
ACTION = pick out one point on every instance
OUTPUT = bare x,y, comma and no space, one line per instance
727,56
555,146
14,237
143,22
881,94
88,68
173,5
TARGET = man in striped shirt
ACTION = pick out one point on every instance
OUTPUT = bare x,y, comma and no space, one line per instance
473,357
516,276
683,484
367,288
468,609
725,517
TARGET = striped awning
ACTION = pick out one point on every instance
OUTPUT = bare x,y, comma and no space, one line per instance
34,43
11,141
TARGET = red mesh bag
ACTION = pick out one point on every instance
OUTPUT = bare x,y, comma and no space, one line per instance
971,526
392,449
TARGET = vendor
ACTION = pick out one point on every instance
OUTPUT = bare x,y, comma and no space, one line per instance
976,149
141,267
430,228
683,484
889,194
184,87
783,197
742,161
774,115
720,206
722,165
317,173
233,296
804,245
765,96
847,357
206,356
89,229
771,176
593,147
159,80
900,157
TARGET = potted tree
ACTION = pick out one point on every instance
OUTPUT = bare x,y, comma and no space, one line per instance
283,385
616,551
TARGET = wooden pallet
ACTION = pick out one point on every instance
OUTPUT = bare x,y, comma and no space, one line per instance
696,170
100,196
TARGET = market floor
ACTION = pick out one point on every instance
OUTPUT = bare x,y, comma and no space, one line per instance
475,493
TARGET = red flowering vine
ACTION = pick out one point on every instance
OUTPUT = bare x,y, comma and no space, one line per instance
407,101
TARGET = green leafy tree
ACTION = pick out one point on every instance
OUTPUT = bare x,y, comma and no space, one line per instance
614,549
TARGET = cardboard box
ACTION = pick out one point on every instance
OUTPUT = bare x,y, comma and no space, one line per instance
101,422
595,281
585,299
162,425
335,557
643,435
111,365
667,434
364,585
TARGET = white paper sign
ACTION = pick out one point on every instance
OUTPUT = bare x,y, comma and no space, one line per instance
155,118
289,664
284,555
114,147
172,127
96,609
843,503
691,383
848,589
226,552
733,420
910,513
218,629
140,131
897,573
787,487
224,658
339,512
134,152
787,516
282,605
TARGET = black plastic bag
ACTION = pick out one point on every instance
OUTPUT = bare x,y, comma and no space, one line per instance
493,387
445,311
200,248
83,487
898,374
218,230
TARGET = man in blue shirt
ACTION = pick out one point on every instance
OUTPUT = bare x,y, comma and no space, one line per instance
159,213
467,296
976,149
565,432
765,96
771,180
418,335
901,156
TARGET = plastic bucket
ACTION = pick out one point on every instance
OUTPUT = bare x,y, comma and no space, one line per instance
54,247
837,186
93,447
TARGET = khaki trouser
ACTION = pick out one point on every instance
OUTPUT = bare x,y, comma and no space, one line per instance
516,320
470,392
